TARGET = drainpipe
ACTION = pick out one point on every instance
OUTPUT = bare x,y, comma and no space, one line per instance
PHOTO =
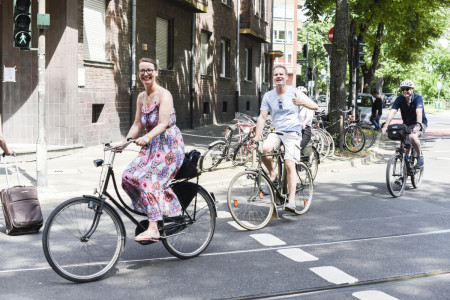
133,57
192,75
237,53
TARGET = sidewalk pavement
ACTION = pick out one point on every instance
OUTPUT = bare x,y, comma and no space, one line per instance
73,174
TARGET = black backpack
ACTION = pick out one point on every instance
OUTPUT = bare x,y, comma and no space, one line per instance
189,167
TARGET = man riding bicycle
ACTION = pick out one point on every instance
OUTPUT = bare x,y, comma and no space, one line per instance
412,110
282,102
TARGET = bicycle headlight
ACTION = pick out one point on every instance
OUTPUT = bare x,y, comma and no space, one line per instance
98,162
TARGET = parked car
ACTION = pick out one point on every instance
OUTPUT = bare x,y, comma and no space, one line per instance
389,97
364,103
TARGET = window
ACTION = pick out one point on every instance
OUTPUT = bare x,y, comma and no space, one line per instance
205,108
260,9
280,60
163,43
205,61
224,107
279,12
248,64
279,36
247,106
224,58
96,112
94,30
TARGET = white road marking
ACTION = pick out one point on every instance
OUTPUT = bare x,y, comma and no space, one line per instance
222,214
267,239
236,225
373,295
334,275
297,254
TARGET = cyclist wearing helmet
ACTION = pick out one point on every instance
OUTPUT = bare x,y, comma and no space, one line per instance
412,110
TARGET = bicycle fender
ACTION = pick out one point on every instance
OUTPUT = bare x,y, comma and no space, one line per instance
215,143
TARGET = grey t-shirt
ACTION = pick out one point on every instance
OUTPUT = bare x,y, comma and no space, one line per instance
284,113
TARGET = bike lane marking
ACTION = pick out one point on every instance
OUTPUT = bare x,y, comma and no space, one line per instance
373,295
222,214
297,254
267,239
236,225
334,275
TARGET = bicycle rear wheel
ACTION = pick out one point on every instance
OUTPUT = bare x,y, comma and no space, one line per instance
369,134
73,255
304,190
191,232
354,138
396,175
250,201
212,157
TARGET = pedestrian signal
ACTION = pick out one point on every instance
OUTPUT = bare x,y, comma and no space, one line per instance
22,24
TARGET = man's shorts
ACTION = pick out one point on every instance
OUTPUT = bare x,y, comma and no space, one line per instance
291,142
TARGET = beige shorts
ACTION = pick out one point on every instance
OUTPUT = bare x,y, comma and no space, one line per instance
291,142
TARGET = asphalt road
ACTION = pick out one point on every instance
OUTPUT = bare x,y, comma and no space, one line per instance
356,242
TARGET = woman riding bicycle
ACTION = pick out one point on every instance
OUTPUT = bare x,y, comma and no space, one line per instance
146,180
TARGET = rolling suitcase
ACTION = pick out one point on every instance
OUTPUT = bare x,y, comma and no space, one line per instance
20,206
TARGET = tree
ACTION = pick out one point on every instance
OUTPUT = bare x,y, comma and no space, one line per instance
339,53
408,26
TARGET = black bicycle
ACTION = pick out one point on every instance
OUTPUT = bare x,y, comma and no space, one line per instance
85,236
403,163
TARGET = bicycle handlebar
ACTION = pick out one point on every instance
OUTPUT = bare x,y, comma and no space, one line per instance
118,148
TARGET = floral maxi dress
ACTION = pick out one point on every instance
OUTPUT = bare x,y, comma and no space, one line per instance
146,180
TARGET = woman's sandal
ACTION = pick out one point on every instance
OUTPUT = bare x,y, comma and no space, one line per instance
142,237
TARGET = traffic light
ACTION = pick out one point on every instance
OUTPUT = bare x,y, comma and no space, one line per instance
310,76
305,51
22,24
359,54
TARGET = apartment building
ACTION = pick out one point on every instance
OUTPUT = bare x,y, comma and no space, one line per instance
213,55
286,24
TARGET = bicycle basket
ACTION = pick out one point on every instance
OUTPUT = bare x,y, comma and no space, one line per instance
189,167
396,132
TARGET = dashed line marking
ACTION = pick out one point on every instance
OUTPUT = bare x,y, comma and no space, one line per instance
267,239
373,295
236,225
222,214
334,275
297,254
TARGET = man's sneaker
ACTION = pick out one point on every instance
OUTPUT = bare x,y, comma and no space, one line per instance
399,181
289,207
420,162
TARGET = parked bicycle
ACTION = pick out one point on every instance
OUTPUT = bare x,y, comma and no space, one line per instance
235,148
253,198
85,236
403,163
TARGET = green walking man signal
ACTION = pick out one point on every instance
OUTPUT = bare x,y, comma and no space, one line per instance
22,24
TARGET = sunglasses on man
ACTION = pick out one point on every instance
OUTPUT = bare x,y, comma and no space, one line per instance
406,89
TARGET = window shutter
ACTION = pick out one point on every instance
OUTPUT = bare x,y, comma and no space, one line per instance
94,31
162,42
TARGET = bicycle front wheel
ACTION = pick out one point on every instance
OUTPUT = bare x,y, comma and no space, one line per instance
396,175
354,138
72,253
250,200
304,189
193,230
212,157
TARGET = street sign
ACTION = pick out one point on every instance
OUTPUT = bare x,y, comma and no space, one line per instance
323,72
439,86
301,61
330,35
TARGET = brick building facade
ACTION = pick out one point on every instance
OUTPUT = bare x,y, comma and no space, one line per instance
91,100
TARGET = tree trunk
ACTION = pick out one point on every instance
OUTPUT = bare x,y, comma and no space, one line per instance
339,54
369,73
350,61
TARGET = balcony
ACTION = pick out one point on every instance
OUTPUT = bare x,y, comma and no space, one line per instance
197,6
251,25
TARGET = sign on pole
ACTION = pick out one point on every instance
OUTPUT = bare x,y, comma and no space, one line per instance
330,35
439,86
